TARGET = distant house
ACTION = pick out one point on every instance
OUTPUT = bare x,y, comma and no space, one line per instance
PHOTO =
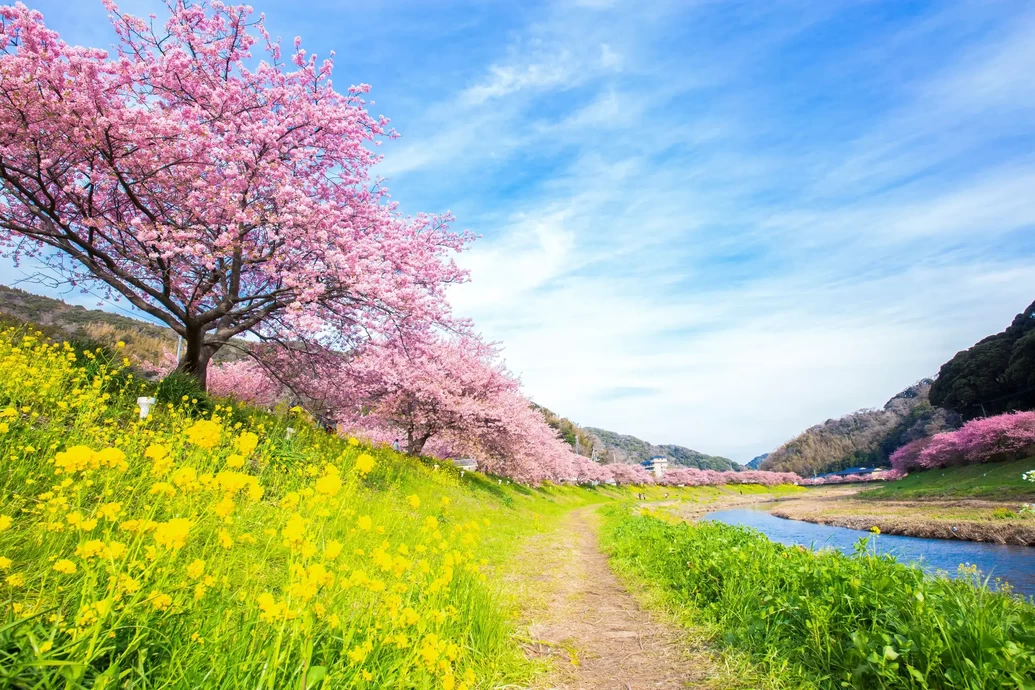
851,472
656,465
469,464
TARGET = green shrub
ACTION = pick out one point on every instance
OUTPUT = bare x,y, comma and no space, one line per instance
180,389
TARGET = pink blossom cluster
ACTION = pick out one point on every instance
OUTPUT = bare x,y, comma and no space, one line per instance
245,380
214,180
883,476
690,476
987,439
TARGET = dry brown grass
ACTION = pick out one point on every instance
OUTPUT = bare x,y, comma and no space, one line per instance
139,344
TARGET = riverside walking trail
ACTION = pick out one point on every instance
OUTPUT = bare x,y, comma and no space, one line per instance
592,627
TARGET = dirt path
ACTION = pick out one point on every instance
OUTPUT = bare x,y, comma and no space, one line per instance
594,630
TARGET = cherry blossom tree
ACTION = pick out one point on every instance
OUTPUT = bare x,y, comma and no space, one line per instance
631,474
427,387
244,379
986,439
209,182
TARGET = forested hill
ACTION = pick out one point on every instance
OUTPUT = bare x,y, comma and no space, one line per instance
614,447
996,375
865,438
573,435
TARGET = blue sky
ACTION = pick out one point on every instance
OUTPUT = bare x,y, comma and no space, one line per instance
705,223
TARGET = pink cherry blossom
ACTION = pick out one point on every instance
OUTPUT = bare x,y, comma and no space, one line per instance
199,176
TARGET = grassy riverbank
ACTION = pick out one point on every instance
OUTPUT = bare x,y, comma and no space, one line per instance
995,481
833,620
972,503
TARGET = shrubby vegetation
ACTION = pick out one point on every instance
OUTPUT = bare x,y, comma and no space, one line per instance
830,619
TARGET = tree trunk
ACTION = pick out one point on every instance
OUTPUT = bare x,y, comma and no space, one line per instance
414,443
196,356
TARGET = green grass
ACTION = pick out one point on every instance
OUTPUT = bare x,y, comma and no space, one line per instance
827,620
996,480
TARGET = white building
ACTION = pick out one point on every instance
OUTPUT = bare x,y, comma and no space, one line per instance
656,465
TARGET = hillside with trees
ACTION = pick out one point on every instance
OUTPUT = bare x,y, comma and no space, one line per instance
994,376
864,438
612,447
570,432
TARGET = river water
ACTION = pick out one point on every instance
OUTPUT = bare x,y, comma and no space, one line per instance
1014,564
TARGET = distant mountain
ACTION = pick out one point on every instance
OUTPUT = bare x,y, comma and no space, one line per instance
756,461
863,439
614,447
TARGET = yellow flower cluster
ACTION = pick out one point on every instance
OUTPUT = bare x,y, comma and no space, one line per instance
210,538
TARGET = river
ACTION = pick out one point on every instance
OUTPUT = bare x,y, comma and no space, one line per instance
1014,564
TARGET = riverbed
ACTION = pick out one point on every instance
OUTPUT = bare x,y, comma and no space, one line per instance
1012,564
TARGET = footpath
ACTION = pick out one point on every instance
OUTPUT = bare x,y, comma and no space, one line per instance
591,627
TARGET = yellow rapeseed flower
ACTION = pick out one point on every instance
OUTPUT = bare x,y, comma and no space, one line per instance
364,523
163,489
5,522
365,464
109,511
330,483
414,501
204,433
160,601
15,580
247,442
196,569
294,531
64,566
75,459
332,550
173,533
161,463
290,500
91,549
185,477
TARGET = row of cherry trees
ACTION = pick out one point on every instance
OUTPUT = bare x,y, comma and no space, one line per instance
882,476
223,185
982,440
